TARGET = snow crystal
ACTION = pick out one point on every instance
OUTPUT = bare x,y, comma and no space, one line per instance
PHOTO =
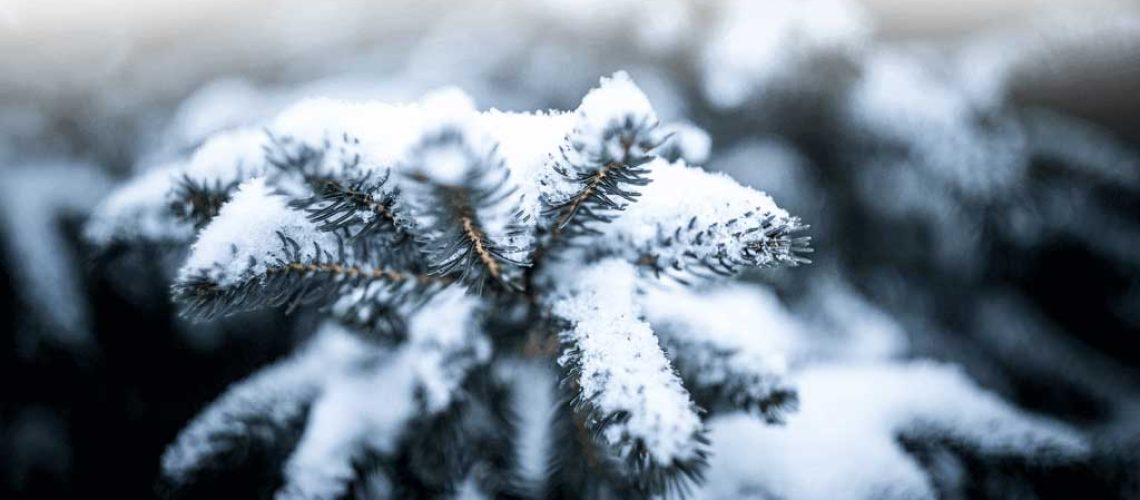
622,366
816,457
242,240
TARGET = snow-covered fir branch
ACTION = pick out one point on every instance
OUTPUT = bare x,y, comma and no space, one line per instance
261,414
407,225
626,392
475,265
724,346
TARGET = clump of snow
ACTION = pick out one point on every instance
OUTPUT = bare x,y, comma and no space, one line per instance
360,410
446,334
814,457
533,401
686,142
622,367
708,215
138,211
386,131
242,241
527,142
734,336
610,105
229,156
365,409
273,398
844,326
613,100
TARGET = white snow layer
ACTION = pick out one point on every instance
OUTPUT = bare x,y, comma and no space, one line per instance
622,366
242,241
613,102
843,443
273,397
367,409
736,334
138,211
382,136
683,202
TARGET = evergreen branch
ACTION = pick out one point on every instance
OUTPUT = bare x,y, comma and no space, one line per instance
470,440
346,195
198,200
578,467
454,211
421,379
373,311
601,178
359,204
257,421
766,242
728,344
627,394
208,179
720,376
293,278
706,224
633,458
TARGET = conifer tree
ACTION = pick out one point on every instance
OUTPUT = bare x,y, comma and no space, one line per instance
449,250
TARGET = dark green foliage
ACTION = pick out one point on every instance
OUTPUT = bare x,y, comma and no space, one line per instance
452,232
394,247
198,201
773,407
603,178
471,440
292,279
252,451
631,466
771,236
345,197
359,206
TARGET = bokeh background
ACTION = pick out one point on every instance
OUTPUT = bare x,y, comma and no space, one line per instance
971,171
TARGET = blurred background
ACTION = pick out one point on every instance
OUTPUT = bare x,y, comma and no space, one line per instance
970,169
